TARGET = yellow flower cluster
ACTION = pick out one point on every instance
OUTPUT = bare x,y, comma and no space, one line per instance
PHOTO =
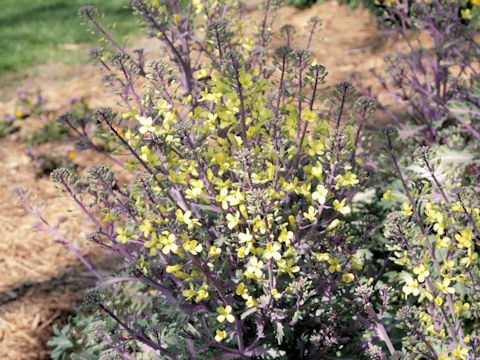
443,260
233,184
214,179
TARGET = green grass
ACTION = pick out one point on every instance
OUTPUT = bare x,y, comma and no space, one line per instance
39,31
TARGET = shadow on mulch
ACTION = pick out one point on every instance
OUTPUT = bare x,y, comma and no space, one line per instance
29,309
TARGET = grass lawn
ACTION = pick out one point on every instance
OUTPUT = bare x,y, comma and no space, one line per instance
39,31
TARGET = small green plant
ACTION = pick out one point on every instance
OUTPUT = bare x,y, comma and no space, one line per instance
301,3
373,5
44,164
50,132
75,340
7,127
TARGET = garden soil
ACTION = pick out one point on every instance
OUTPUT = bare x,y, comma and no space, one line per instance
41,281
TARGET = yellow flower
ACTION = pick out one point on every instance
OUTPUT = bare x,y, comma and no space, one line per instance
348,278
422,272
444,287
439,228
276,294
251,302
457,207
333,224
285,236
129,115
235,198
347,180
242,291
187,219
464,239
460,353
143,265
254,269
288,267
248,44
196,190
309,115
320,194
460,307
214,252
463,278
317,170
202,293
427,294
176,18
259,225
311,214
334,265
202,73
233,220
321,256
341,207
169,244
72,155
210,97
388,195
244,251
272,251
122,235
198,5
471,257
438,301
193,247
411,287
18,113
225,314
222,198
357,263
146,227
245,237
433,214
190,293
407,209
443,242
173,268
220,335
448,266
146,123
153,244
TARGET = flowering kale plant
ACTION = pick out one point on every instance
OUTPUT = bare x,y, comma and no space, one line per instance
435,76
245,224
244,171
433,238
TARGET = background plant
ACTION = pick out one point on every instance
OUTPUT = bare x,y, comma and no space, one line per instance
33,110
435,73
433,238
